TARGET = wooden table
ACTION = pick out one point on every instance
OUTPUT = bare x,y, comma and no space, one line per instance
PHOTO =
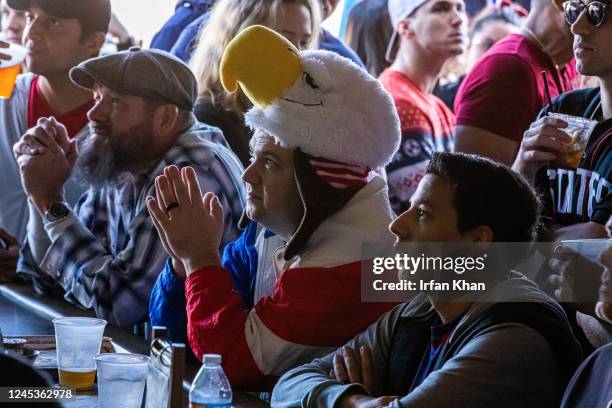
23,312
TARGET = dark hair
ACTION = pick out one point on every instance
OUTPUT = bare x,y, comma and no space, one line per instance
490,14
489,193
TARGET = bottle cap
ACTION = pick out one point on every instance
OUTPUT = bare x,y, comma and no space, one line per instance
212,359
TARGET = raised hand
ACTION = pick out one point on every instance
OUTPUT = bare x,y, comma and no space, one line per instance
190,225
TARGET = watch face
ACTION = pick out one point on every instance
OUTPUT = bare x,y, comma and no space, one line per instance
57,211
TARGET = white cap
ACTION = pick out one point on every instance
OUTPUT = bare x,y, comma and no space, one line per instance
212,359
399,10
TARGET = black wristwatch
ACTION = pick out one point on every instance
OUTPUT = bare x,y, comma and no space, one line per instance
56,212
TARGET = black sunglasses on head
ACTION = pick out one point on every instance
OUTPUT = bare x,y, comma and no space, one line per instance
596,11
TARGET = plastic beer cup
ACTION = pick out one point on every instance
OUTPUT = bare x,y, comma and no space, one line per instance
11,68
579,129
78,340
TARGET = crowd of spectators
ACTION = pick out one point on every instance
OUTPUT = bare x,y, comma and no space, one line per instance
222,182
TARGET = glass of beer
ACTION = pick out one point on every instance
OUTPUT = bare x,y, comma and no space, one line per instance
78,340
579,129
121,379
11,68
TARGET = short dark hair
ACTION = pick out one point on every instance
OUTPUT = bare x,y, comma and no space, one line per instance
504,14
489,193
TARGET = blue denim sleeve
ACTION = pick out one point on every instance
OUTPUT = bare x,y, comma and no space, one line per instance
167,306
185,43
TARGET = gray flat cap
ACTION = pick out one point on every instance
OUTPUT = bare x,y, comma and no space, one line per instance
150,73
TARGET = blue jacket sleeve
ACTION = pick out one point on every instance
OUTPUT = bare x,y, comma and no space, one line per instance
168,306
186,42
184,14
240,259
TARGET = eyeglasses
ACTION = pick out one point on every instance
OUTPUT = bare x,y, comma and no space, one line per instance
596,11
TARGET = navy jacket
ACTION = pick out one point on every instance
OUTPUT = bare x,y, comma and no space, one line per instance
185,12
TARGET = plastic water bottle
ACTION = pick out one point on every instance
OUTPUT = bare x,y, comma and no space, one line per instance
210,388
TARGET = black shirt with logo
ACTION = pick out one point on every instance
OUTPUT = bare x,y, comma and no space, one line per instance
572,196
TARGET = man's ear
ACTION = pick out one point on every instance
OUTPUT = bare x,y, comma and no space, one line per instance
166,117
94,42
405,29
483,233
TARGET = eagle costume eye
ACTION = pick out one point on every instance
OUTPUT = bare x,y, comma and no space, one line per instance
307,79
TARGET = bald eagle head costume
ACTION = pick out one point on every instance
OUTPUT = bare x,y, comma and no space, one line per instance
340,122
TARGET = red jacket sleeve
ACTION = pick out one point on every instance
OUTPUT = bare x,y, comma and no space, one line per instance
216,319
311,312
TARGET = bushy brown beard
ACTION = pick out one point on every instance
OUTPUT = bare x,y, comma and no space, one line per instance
106,155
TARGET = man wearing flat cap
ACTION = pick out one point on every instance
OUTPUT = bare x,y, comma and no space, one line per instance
59,34
104,252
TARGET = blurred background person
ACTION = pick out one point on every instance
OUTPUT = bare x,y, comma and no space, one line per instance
12,23
185,12
427,34
492,24
368,31
297,20
119,34
327,41
506,89
186,42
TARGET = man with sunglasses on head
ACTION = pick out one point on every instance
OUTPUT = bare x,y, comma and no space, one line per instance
579,201
505,90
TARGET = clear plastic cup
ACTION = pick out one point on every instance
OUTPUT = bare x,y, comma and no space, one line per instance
11,68
121,379
78,340
579,129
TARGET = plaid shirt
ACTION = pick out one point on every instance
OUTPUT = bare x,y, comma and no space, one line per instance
106,255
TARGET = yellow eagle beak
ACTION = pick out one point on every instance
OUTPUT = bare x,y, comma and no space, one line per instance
264,63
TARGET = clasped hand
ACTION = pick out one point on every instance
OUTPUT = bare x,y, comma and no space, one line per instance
45,155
